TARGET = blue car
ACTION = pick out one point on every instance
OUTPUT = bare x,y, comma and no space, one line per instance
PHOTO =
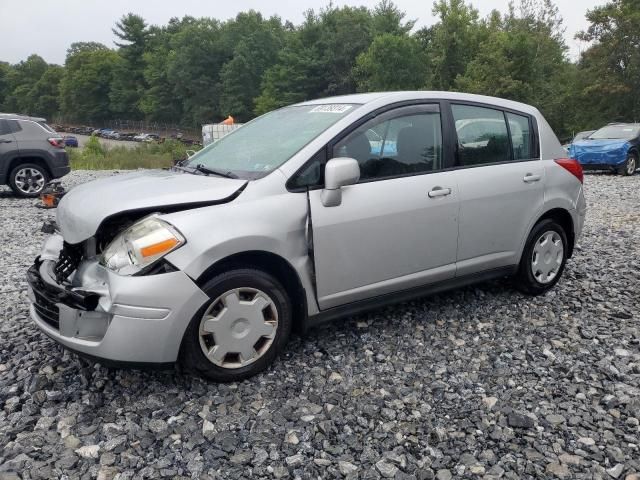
70,141
615,147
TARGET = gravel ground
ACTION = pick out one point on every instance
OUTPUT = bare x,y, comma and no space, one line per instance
481,382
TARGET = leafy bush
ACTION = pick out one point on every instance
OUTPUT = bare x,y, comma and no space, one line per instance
93,148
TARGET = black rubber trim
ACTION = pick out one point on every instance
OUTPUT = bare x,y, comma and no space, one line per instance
360,306
50,289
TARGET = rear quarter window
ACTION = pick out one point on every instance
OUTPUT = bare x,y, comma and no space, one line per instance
46,127
14,126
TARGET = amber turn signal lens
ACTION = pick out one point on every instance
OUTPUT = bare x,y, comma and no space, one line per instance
158,248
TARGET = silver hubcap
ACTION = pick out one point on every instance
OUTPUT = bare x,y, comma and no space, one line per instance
238,327
29,180
548,254
631,165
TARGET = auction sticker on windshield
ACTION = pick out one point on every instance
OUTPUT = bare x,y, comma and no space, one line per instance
334,108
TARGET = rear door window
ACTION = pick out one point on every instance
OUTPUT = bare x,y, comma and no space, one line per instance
483,137
520,129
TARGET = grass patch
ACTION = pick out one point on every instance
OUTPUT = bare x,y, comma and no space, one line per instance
97,156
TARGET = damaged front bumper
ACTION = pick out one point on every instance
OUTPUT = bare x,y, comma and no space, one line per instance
123,319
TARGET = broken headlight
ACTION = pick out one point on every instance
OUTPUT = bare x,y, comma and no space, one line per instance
141,245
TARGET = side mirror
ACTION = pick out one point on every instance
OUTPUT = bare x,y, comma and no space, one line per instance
338,173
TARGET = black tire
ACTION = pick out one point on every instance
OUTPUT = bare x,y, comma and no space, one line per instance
525,279
192,357
20,192
630,165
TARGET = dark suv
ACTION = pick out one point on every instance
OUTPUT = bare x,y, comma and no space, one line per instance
31,154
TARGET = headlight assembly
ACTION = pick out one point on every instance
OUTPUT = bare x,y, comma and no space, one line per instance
140,245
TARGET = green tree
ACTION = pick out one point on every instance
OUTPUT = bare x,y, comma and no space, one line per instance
20,80
194,62
318,57
160,101
392,62
85,85
5,73
610,69
128,82
388,18
522,57
255,43
44,96
452,43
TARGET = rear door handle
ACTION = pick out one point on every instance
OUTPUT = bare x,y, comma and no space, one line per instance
439,192
530,178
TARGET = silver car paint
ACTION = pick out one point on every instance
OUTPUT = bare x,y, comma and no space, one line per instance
362,247
379,241
496,206
83,209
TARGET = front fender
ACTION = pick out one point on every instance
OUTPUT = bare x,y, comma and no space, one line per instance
275,224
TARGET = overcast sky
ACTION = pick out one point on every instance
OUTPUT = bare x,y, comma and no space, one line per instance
48,27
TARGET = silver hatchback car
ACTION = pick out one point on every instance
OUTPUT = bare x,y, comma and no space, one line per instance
315,211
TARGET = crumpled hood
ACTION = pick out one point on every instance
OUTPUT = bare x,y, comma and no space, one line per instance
609,152
84,208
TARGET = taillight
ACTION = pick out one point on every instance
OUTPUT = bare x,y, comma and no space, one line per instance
56,142
572,166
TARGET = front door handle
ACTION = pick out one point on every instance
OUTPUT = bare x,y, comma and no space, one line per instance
2,140
530,178
439,192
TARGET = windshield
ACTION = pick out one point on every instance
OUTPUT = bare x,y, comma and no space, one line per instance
583,135
261,146
622,132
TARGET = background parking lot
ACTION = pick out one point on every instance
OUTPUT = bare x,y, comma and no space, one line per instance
107,142
477,382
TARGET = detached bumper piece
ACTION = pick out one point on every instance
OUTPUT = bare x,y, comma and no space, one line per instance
51,195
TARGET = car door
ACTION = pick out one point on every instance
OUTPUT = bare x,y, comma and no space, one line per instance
397,227
8,147
501,185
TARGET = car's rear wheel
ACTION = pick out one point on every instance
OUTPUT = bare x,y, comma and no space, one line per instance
28,180
240,331
543,259
630,166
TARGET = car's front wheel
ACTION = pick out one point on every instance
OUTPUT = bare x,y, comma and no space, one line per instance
28,180
543,259
240,331
630,166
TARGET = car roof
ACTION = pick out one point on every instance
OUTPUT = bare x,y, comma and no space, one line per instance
16,116
392,97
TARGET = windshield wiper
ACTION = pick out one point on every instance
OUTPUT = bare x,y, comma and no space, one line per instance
211,171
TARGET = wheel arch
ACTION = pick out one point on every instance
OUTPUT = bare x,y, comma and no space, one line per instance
272,264
564,218
36,160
